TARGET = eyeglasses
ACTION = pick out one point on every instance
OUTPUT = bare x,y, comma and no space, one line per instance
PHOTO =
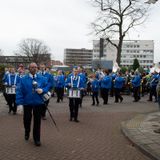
33,67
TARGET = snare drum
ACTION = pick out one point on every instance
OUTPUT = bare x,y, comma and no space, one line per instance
74,93
10,90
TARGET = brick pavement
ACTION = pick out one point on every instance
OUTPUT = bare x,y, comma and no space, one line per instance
97,137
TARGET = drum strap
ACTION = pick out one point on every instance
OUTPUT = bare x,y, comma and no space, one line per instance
77,82
9,79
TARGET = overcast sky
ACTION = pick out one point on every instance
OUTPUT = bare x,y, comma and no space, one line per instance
61,24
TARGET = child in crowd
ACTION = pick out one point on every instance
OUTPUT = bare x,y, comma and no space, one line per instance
95,89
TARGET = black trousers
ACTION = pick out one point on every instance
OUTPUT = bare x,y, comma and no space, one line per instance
44,108
5,96
74,106
118,94
104,95
35,111
60,93
12,102
136,93
95,97
153,93
81,99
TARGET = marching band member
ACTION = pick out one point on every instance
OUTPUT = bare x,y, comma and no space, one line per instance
95,86
49,80
153,84
59,85
30,94
118,84
143,83
11,82
3,80
74,83
136,82
105,86
84,80
158,93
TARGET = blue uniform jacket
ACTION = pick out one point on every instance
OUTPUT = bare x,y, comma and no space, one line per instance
106,82
59,81
84,79
136,81
119,82
95,85
154,80
49,79
25,92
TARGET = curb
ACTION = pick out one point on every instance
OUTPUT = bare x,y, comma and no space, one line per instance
145,150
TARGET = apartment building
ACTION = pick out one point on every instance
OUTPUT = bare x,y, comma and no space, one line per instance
79,57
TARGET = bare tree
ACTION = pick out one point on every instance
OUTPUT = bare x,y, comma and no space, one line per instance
116,18
35,50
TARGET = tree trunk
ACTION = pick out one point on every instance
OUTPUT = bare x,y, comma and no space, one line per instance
119,50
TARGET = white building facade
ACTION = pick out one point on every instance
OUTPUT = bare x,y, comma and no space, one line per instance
143,50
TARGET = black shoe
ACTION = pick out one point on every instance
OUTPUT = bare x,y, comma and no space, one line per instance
44,118
70,119
93,104
121,100
37,143
98,104
14,113
26,137
157,130
76,120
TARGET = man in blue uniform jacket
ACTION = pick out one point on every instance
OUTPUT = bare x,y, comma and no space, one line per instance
30,94
136,82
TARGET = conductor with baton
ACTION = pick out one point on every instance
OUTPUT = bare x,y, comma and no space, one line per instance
30,94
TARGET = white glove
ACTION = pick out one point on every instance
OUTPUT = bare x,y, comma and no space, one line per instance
39,90
20,109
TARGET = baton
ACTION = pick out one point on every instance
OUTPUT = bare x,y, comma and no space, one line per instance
52,119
